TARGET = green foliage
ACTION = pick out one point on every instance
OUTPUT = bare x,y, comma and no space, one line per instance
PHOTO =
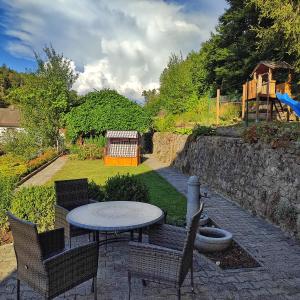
126,188
164,123
20,143
99,141
45,97
35,204
276,134
9,80
96,192
203,130
7,186
106,110
176,86
12,165
279,28
86,151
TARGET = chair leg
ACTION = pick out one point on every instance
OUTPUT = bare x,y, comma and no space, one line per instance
70,242
95,287
178,294
18,289
129,285
192,278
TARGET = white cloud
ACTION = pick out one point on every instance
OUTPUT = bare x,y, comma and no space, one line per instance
117,44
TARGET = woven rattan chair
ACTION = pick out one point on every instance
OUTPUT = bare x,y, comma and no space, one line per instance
69,195
43,263
167,258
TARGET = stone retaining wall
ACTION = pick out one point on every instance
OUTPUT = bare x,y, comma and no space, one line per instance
264,180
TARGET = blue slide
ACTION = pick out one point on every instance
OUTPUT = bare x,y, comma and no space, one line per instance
295,105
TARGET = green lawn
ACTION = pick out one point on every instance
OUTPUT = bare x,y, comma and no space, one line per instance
162,193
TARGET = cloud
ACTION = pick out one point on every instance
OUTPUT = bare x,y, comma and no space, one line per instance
117,44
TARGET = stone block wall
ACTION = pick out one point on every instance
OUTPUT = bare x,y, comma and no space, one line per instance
263,180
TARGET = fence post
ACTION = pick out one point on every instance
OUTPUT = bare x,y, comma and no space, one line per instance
218,105
193,198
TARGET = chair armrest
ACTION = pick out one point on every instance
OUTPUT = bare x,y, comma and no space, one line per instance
72,266
153,261
168,236
52,241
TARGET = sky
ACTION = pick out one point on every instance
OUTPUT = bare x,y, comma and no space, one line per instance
118,44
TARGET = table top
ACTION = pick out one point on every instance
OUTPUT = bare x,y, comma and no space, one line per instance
115,215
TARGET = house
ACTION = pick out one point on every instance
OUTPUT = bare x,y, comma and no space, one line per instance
9,119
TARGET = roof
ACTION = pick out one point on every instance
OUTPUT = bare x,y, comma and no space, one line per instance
9,117
122,134
262,66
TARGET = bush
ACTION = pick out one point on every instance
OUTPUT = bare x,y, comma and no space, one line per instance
20,143
35,204
99,141
40,160
7,186
276,134
12,165
203,130
126,188
96,192
165,123
86,151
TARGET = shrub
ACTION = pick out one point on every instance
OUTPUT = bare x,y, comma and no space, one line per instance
86,151
203,130
7,186
41,159
99,141
35,204
12,165
165,123
276,134
126,188
96,192
20,143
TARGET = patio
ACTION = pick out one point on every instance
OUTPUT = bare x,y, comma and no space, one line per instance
277,278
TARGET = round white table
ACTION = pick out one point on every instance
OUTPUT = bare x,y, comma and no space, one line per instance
115,216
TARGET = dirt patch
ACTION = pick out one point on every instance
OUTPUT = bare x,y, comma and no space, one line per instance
235,257
5,237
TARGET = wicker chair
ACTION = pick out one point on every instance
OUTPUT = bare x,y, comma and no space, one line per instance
167,258
44,265
69,195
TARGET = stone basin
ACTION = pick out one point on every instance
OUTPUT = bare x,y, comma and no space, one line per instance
210,239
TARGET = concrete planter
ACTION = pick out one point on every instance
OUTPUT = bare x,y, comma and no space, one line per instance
212,239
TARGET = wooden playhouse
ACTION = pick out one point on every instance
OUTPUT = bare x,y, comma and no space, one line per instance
122,148
259,101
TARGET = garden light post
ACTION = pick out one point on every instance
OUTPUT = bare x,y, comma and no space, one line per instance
193,198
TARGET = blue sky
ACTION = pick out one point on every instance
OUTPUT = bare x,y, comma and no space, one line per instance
118,44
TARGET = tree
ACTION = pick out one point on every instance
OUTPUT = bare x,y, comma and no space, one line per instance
278,29
46,96
106,110
176,86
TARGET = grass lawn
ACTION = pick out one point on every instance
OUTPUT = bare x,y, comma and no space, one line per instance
162,193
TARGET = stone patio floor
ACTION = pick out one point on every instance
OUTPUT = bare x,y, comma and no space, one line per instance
277,278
